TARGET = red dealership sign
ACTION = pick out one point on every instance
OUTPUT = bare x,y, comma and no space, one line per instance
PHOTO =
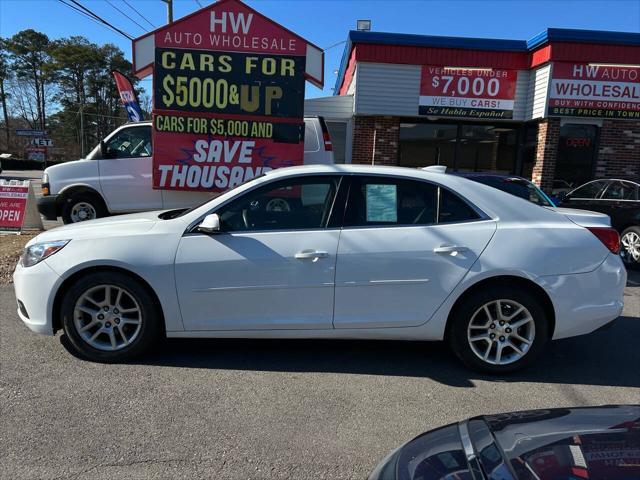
228,96
467,92
13,202
588,90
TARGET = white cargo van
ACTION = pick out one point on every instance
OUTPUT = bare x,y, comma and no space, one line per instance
116,177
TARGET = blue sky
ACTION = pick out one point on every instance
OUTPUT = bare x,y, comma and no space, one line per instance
326,22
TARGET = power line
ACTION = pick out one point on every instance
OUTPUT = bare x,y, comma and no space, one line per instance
334,45
199,4
84,14
100,19
139,14
143,28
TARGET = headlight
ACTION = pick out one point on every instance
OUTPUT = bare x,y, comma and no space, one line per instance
39,251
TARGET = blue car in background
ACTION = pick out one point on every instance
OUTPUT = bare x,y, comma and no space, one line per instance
518,186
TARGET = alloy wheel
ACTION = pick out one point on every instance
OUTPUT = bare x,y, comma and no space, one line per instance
107,317
501,332
630,251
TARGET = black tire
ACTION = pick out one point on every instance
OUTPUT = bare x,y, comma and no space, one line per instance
464,313
74,199
626,256
151,328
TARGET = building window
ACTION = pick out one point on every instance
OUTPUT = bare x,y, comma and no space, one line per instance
423,144
464,147
487,148
576,151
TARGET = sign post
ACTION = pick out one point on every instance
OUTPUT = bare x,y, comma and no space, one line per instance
228,96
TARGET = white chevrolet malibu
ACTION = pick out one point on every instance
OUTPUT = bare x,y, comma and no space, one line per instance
331,252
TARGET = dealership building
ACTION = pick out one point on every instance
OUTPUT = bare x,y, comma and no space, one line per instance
561,108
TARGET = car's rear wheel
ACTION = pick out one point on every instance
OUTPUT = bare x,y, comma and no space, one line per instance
630,247
80,207
110,317
499,329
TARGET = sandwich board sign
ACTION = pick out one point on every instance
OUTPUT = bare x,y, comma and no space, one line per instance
228,88
18,210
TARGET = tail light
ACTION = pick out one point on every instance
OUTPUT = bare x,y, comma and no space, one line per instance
608,236
328,145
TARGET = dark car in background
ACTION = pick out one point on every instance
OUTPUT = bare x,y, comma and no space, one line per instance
518,186
618,198
597,443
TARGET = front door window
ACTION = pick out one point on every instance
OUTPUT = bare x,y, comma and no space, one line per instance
296,204
130,143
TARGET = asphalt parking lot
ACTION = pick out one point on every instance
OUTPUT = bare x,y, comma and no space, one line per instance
271,409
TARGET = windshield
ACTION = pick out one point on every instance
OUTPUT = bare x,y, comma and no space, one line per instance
517,186
179,212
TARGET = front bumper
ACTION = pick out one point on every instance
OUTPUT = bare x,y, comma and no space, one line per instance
584,302
47,206
34,287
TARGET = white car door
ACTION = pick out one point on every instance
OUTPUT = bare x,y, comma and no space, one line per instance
126,171
405,245
271,267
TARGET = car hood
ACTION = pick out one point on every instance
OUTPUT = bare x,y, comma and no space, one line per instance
596,442
584,218
101,227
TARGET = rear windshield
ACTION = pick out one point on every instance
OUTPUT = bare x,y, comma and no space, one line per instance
518,187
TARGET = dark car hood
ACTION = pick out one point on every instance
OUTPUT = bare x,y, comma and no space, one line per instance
562,443
589,442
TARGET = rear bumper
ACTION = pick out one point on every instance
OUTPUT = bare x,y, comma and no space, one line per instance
47,206
585,302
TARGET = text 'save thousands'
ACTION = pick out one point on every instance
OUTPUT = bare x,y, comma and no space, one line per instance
222,118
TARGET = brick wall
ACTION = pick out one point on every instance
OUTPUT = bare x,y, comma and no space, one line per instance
375,140
546,153
619,149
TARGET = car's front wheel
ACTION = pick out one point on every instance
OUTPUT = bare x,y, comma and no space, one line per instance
110,317
499,329
630,247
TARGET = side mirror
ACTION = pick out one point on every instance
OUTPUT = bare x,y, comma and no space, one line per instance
106,152
210,224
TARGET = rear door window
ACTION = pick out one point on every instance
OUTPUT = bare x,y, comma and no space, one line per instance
454,209
588,191
384,201
391,201
620,190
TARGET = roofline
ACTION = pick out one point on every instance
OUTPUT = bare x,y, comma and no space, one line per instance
494,44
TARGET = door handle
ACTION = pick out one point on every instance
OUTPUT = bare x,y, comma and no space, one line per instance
314,254
450,249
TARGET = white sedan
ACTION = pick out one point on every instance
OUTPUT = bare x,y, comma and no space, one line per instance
331,252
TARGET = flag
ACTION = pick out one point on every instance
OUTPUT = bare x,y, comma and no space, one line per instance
128,97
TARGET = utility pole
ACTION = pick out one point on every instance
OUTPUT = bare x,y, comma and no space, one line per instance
82,131
169,10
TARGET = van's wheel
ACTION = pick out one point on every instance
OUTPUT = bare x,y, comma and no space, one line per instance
630,247
499,329
79,207
110,317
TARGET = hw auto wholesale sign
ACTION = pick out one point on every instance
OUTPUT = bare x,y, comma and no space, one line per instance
467,92
584,90
228,96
